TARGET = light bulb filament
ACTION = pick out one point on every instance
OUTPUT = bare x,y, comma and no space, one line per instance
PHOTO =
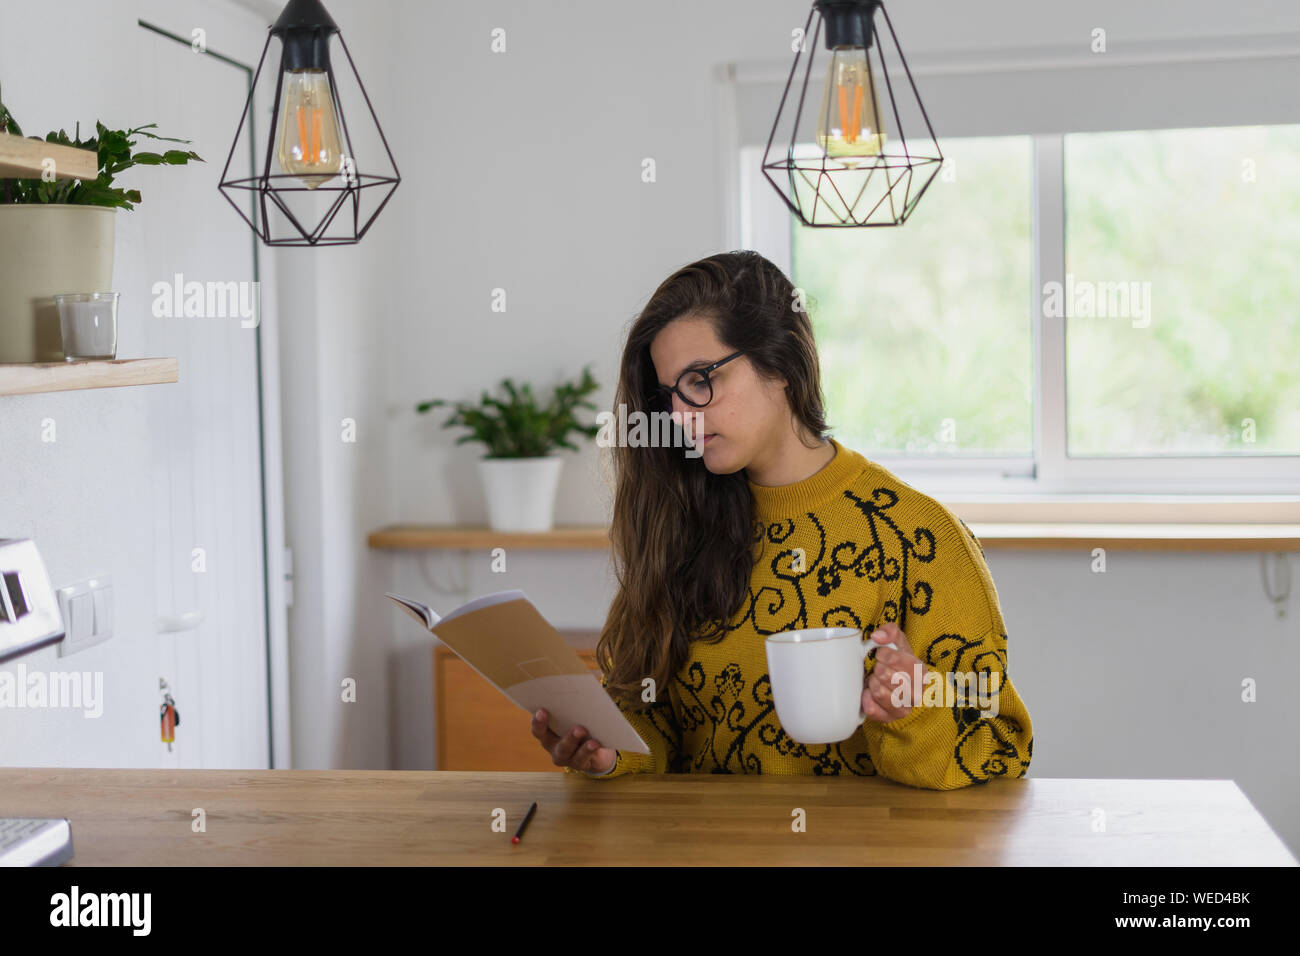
302,128
309,150
850,126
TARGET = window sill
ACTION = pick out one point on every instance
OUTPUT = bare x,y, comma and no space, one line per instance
1049,531
1132,522
1124,509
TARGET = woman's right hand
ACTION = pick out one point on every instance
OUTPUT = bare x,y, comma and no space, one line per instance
574,749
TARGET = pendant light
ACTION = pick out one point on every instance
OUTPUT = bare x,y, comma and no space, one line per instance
311,190
850,163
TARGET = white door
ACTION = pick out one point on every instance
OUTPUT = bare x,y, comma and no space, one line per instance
208,471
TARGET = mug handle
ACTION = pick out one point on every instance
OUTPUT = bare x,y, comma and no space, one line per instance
868,645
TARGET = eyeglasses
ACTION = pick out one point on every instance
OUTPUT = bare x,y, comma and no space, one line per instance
693,385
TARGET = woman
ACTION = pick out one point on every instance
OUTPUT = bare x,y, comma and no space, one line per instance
769,526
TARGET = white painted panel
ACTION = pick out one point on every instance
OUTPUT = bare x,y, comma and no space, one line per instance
207,436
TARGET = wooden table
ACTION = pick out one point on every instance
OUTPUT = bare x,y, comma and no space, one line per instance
358,817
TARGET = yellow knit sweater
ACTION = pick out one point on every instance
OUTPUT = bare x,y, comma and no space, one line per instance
873,549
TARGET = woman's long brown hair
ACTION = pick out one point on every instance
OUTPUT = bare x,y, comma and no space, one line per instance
682,538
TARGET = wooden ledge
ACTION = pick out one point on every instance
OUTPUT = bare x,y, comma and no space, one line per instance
1146,536
34,377
23,158
416,537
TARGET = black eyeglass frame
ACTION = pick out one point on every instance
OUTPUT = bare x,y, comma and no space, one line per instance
663,391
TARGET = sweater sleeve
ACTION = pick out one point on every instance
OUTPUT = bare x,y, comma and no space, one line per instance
659,728
964,731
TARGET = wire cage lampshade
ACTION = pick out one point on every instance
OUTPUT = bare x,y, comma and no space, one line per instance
311,190
848,161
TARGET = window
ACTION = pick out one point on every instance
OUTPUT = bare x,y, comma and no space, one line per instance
1100,311
1193,236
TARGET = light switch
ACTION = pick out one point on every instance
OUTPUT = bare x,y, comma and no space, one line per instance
103,611
87,613
81,615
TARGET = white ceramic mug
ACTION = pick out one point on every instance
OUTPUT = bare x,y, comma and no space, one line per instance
817,677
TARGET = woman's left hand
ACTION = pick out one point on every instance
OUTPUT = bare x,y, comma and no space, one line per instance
879,687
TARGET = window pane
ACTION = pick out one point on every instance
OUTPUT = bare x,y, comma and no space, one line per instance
1199,229
924,329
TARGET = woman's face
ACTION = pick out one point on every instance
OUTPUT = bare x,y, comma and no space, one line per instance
746,412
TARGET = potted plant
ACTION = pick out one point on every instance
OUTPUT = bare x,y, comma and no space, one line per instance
519,474
58,235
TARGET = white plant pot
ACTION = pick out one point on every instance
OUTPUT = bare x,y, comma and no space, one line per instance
520,492
46,249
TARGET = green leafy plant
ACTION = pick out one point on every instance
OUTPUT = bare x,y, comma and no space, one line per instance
518,427
114,150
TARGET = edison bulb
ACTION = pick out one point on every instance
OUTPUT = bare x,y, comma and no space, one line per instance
848,126
309,146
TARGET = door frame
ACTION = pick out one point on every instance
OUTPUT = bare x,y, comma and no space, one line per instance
267,340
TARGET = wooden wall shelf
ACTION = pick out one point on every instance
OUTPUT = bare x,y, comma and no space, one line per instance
1002,535
21,158
31,378
414,537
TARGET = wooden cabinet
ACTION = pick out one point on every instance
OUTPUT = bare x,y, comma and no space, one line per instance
476,727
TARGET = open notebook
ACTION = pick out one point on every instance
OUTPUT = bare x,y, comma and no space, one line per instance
505,638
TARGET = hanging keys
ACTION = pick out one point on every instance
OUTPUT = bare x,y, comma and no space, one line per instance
169,715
